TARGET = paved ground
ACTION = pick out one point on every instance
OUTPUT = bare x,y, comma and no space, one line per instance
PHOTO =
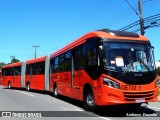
27,103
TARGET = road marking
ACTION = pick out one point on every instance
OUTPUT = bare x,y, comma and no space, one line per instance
25,93
63,108
104,118
79,109
154,107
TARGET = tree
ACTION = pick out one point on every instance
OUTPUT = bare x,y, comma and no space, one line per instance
2,64
14,60
158,70
104,29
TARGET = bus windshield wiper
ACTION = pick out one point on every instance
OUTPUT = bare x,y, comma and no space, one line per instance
109,69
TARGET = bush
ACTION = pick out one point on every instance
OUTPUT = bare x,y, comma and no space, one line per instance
158,70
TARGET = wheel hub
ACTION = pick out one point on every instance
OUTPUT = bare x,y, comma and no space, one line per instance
90,100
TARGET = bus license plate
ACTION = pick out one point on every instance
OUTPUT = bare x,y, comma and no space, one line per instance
140,100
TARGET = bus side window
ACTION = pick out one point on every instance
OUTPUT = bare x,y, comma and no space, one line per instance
56,69
17,71
67,61
91,50
41,68
91,55
52,65
4,72
79,58
28,69
11,71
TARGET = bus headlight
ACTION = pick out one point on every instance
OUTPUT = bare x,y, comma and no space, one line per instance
111,83
157,83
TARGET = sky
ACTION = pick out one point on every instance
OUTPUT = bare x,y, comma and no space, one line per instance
52,24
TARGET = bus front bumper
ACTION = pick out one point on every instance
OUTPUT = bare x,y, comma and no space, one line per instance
113,96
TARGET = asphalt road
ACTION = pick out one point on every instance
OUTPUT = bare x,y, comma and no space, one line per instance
18,102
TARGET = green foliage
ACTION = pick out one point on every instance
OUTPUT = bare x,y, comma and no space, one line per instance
2,64
158,70
14,60
104,29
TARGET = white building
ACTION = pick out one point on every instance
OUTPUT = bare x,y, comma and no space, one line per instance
157,64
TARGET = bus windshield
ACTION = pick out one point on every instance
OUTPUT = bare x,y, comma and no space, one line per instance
128,57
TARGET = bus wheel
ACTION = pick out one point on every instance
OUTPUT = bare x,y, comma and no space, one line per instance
55,91
28,87
9,85
89,103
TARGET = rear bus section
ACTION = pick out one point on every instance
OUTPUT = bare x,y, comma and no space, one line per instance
13,75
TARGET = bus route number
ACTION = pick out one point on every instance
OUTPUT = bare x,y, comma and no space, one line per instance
128,87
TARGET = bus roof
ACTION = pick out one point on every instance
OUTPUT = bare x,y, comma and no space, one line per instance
40,59
13,65
107,34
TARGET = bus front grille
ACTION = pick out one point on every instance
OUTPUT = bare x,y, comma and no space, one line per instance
132,96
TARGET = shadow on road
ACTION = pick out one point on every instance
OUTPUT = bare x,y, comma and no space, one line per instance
123,111
108,111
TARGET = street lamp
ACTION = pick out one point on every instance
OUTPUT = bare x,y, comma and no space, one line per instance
35,49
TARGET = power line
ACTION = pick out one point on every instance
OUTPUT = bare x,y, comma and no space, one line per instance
149,22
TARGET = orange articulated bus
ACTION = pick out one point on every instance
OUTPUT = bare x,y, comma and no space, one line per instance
105,68
101,68
12,75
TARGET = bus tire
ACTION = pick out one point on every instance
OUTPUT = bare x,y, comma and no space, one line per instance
28,87
55,91
9,85
89,103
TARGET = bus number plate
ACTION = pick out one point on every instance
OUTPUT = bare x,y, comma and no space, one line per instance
140,100
128,87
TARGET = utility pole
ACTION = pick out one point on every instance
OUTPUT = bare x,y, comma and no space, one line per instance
139,14
141,18
35,50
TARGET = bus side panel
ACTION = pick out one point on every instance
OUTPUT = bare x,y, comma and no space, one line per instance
17,81
67,88
9,79
39,82
30,79
5,80
68,83
57,79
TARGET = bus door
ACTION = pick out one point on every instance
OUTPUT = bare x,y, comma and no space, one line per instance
32,76
17,74
12,77
75,71
78,62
